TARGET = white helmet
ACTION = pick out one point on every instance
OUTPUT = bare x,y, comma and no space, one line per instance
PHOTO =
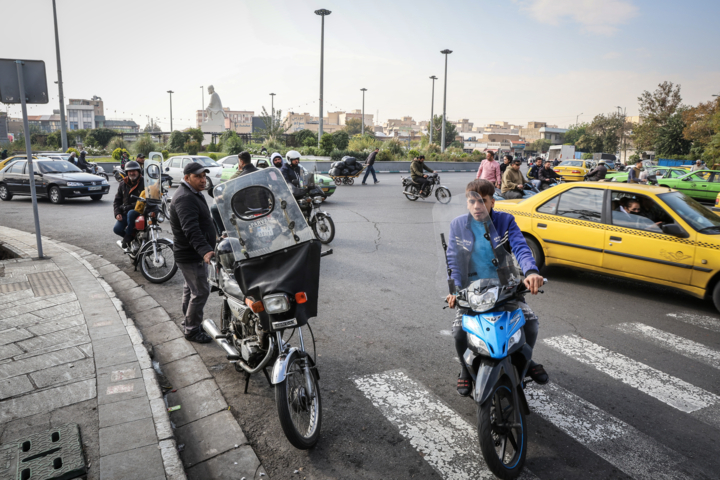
292,155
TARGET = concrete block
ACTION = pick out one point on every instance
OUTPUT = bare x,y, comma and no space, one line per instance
54,326
198,400
97,262
173,466
13,335
163,427
23,319
173,350
112,392
239,462
113,351
10,387
135,335
141,304
133,293
124,285
47,400
150,317
209,437
142,356
143,463
107,329
59,311
186,371
40,362
116,277
127,436
68,372
161,333
107,269
152,387
66,338
124,411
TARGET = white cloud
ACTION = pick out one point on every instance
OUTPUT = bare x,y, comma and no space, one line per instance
597,16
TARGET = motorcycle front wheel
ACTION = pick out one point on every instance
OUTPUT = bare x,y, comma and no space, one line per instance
300,413
324,228
413,195
503,443
443,195
118,177
167,267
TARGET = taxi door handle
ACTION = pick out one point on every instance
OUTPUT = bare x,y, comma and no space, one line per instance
541,225
615,239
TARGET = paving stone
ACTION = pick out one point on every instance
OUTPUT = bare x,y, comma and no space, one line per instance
198,400
173,350
59,311
7,351
139,464
239,462
124,285
134,293
14,279
109,393
55,326
64,373
106,269
124,411
26,308
10,387
47,400
45,266
86,349
150,317
173,466
68,338
209,437
141,304
97,262
19,320
116,277
9,287
107,329
143,356
163,428
13,335
186,371
127,436
161,333
152,387
113,351
40,362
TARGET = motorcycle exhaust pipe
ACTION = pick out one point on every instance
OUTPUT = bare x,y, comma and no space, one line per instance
265,361
409,193
211,329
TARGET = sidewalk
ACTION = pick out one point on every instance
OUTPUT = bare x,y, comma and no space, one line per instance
69,353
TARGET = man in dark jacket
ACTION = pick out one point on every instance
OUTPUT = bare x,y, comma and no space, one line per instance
534,173
245,165
547,176
417,167
506,163
195,239
291,170
124,205
370,168
598,173
82,163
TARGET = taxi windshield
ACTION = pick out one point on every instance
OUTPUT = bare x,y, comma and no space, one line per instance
696,215
571,163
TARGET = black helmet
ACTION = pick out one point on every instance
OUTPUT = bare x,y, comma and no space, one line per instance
133,165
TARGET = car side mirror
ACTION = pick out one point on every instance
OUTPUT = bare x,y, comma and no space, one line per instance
167,169
674,229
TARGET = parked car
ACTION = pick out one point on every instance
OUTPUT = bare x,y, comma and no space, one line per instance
55,179
9,160
701,185
229,165
174,167
574,170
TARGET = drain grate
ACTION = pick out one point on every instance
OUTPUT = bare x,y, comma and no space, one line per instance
49,283
14,287
54,454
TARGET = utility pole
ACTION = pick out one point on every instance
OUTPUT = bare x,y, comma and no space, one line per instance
622,131
362,129
272,109
445,52
577,119
63,126
170,92
432,107
322,12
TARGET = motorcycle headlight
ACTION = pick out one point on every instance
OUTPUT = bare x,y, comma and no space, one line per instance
515,338
484,301
75,184
276,303
478,343
317,200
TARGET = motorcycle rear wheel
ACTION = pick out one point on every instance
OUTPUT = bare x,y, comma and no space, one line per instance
443,195
413,195
158,274
496,438
324,228
300,415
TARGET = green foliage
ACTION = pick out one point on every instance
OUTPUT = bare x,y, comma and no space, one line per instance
177,141
363,143
117,154
326,143
212,148
54,140
314,151
144,145
450,131
73,149
233,144
457,144
192,147
165,154
302,137
310,141
273,124
213,155
575,132
341,139
117,142
385,156
670,139
656,108
353,127
633,158
393,146
100,137
541,145
587,156
195,134
412,153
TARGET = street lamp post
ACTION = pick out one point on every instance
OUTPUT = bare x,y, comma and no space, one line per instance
272,110
445,52
362,128
170,92
322,12
432,107
63,126
577,119
622,131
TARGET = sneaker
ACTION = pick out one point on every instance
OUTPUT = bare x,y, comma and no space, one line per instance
377,181
538,374
198,336
463,386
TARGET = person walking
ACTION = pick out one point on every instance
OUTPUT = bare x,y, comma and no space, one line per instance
195,238
490,170
370,162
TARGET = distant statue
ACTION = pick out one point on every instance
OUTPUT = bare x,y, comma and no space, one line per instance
215,112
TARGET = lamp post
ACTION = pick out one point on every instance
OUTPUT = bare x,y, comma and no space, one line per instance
577,119
63,126
322,12
432,107
445,52
202,112
622,130
362,128
170,92
272,110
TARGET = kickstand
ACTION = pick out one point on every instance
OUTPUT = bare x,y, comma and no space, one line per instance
247,381
267,376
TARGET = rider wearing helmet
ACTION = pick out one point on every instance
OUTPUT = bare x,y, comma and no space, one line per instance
82,163
291,170
124,205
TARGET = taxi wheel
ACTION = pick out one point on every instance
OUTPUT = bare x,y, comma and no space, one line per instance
716,296
537,252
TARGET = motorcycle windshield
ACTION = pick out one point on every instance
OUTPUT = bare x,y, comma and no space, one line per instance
260,211
152,176
469,250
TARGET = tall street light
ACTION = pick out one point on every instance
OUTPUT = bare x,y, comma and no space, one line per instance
445,52
577,118
63,126
622,131
272,109
202,112
432,108
322,12
362,128
170,92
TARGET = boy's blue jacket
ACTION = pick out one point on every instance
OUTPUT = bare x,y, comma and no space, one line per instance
460,245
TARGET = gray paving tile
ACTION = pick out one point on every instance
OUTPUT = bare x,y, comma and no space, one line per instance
47,400
105,269
57,325
59,311
197,400
19,320
141,304
238,463
124,285
64,373
209,437
116,277
107,329
150,317
140,464
134,293
162,332
40,362
68,337
124,411
173,350
10,387
13,335
113,351
7,351
186,371
127,436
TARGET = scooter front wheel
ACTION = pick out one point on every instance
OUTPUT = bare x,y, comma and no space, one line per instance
299,410
324,228
503,441
162,268
443,195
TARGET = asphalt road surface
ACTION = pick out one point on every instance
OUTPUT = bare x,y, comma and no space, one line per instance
635,385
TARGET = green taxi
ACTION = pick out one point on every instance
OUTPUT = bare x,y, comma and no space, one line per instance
664,172
701,185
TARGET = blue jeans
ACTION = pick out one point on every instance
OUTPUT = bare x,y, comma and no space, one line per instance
370,169
126,227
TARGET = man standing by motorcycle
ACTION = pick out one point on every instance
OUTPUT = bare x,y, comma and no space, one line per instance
598,173
417,167
476,261
195,239
124,204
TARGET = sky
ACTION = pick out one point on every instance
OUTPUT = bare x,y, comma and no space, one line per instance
512,60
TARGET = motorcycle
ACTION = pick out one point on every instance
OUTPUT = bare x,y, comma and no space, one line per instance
119,173
267,271
153,254
96,169
412,190
309,199
497,357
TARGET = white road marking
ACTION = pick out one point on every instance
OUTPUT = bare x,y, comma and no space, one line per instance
704,405
709,323
683,346
618,443
448,442
447,333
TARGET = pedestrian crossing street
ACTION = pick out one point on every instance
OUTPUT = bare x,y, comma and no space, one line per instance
450,444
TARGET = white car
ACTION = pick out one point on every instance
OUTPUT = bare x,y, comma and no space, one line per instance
174,167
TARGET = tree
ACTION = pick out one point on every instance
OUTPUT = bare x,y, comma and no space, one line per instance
326,143
655,110
698,120
303,136
575,132
177,141
273,124
670,139
54,140
450,131
541,145
353,126
144,145
341,139
152,127
100,137
231,142
195,134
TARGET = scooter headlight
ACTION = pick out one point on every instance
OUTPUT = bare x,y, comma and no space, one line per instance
276,303
317,200
478,343
515,339
484,301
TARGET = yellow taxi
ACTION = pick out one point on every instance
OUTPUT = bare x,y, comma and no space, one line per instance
6,162
653,234
574,170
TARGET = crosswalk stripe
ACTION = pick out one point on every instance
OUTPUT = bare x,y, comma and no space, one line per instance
448,442
702,321
613,440
704,405
683,346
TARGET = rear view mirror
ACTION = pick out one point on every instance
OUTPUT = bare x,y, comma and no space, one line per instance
254,202
675,230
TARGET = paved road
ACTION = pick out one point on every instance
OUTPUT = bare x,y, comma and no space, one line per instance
635,385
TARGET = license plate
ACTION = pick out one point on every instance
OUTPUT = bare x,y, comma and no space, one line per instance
94,188
265,232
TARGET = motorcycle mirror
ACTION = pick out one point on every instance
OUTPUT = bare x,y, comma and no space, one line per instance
167,169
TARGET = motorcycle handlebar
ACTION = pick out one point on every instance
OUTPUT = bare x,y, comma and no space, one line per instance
326,253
